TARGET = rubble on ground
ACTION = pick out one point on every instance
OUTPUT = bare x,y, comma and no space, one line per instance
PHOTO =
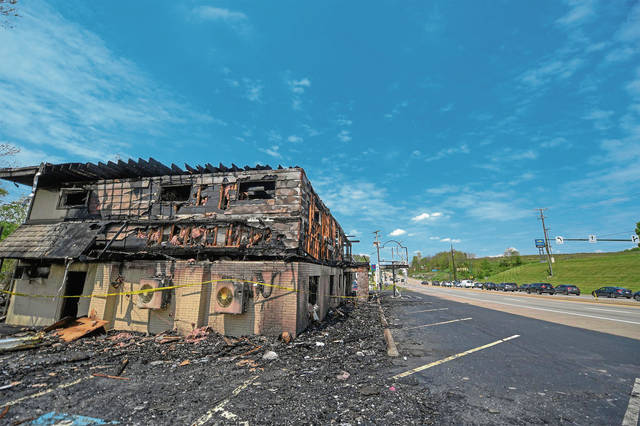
335,372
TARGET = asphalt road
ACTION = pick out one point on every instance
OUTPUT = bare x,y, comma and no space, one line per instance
621,320
546,373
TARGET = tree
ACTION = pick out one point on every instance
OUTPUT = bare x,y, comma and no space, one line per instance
12,215
8,9
638,231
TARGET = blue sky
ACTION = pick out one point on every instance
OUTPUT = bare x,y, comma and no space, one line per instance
431,121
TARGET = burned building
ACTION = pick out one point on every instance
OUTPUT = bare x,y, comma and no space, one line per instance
242,250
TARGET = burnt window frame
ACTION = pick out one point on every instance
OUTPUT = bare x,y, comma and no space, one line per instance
64,192
175,185
257,183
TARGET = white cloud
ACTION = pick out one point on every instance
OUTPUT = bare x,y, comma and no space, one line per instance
396,110
434,238
579,12
450,240
253,89
298,88
341,121
601,119
397,232
554,69
274,151
446,152
344,136
425,216
65,89
621,54
238,21
448,107
295,139
555,142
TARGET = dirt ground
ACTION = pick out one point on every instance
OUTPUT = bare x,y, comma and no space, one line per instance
335,372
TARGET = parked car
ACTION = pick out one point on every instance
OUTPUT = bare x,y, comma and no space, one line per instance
477,285
489,286
500,286
424,282
523,287
540,288
636,296
612,292
567,289
509,287
435,283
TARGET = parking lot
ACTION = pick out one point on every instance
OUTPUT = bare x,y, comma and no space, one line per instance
506,368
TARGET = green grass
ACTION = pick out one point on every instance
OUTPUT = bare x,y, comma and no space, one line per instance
586,270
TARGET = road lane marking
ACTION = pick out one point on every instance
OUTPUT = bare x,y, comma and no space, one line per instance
611,310
452,357
633,410
438,323
219,408
44,392
548,310
428,310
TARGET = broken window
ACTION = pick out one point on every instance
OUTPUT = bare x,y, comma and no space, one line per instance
256,190
331,285
36,271
313,290
175,193
73,198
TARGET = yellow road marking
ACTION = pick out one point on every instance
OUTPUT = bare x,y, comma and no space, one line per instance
438,323
452,357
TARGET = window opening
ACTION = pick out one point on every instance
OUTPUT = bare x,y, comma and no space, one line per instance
313,290
330,285
175,193
256,190
74,198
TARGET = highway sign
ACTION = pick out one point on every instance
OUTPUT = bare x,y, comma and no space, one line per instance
560,240
635,239
593,239
539,242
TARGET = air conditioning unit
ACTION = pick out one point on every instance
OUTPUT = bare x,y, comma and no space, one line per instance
231,297
151,299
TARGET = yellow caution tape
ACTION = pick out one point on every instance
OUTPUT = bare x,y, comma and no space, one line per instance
152,290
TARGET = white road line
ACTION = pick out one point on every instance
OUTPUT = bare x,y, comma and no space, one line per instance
220,407
44,392
548,310
610,310
633,410
452,357
438,323
428,310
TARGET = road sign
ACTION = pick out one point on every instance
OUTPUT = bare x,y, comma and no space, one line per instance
635,239
593,239
539,243
560,240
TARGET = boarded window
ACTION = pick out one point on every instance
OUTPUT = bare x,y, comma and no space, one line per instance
175,193
74,198
257,190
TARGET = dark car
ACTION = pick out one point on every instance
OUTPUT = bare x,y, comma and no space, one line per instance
500,286
636,296
612,292
523,287
436,283
509,287
477,285
540,288
424,282
489,286
567,289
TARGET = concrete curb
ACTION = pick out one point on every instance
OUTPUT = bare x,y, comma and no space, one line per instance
392,349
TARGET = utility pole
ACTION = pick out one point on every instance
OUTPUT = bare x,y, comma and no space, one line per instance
546,241
377,243
453,262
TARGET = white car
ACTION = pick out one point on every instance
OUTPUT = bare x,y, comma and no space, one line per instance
467,283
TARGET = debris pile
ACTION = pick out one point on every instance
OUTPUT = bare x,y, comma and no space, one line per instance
335,372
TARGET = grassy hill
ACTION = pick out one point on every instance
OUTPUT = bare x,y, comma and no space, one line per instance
586,270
